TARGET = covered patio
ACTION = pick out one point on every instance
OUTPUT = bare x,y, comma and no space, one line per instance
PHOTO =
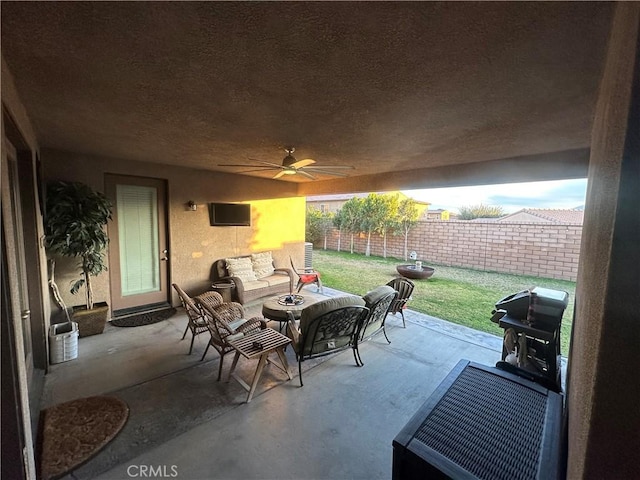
186,96
339,425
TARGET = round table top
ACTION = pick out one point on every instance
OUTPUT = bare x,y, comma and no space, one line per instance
274,310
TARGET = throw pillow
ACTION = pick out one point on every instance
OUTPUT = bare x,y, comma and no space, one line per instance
241,268
262,264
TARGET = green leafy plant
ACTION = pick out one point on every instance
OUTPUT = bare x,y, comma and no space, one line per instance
74,227
471,212
408,215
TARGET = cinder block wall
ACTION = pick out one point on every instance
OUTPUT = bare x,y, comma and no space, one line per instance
549,251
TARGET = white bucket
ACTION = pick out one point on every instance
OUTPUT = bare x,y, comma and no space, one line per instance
63,342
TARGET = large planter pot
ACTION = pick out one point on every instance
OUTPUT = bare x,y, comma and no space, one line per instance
91,322
410,271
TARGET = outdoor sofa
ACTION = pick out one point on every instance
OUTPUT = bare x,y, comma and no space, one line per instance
254,276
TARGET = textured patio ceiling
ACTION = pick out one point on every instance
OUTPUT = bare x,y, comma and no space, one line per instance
410,88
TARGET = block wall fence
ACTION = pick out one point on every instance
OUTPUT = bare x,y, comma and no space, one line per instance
541,250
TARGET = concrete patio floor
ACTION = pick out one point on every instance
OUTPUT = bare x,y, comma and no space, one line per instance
339,425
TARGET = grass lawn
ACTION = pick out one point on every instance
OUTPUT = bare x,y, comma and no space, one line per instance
459,295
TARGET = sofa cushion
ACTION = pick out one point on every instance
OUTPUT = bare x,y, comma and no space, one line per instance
275,279
255,285
262,264
242,268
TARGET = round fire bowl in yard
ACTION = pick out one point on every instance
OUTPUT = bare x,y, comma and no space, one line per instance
410,271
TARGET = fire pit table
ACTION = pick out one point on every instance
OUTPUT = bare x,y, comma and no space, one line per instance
410,271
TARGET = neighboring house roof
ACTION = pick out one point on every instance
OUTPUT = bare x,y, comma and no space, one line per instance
335,198
348,196
549,215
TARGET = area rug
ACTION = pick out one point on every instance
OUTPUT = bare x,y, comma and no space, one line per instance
146,318
73,432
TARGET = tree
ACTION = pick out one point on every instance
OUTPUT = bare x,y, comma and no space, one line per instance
350,214
389,218
338,222
312,227
326,222
374,211
480,211
318,225
74,227
407,218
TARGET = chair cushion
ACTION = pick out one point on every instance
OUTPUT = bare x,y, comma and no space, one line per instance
376,294
309,277
234,336
242,268
237,323
324,306
262,264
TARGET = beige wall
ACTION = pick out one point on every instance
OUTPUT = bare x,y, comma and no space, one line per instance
277,217
548,251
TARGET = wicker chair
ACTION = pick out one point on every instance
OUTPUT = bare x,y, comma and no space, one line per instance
196,322
404,288
378,301
326,327
225,322
306,277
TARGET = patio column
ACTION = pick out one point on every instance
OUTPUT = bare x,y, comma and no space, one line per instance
604,365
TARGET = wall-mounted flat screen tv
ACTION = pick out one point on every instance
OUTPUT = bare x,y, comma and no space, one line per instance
230,214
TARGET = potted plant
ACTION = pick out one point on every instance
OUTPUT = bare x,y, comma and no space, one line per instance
75,218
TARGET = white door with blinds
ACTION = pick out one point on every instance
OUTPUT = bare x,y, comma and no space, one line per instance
138,254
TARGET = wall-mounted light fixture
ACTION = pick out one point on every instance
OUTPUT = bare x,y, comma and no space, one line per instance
192,206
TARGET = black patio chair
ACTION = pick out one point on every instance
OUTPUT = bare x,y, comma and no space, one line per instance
404,287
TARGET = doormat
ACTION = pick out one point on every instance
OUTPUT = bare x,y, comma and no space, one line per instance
146,318
73,432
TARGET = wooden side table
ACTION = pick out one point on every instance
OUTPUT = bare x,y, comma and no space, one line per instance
271,341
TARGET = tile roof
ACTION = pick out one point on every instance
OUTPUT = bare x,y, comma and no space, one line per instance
348,196
552,215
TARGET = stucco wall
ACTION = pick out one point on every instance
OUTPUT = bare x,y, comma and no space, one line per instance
549,251
603,386
193,244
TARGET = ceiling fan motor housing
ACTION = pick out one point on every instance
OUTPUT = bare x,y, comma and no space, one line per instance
289,159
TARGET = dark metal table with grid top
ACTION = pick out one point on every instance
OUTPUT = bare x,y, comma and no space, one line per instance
482,423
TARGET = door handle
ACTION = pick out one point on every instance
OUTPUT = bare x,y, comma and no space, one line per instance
164,259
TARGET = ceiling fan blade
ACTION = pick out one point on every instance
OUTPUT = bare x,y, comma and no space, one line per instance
265,167
332,167
278,175
236,165
303,163
324,172
259,169
268,164
275,165
305,174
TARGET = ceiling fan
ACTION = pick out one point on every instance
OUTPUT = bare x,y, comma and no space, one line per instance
291,166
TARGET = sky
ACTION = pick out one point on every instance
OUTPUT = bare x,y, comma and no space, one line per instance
565,194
